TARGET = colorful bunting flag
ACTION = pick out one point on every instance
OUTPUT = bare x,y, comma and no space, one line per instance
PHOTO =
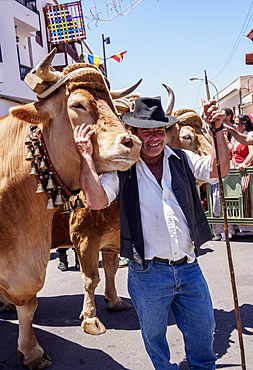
93,59
118,57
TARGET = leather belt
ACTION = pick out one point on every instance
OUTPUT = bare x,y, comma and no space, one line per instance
170,262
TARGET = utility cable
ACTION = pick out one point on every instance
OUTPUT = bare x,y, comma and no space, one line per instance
239,38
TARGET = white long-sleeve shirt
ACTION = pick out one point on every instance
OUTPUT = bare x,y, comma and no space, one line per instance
165,229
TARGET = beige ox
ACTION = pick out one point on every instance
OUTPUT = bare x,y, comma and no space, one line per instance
189,132
80,94
95,231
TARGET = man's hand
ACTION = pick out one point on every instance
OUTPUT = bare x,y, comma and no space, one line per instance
214,117
82,137
213,114
96,197
242,167
230,129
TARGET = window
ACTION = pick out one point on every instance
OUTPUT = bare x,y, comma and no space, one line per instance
30,4
38,36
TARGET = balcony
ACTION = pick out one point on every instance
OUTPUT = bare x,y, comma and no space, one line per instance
30,4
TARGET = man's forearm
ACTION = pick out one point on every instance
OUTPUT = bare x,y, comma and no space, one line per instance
243,139
223,153
91,185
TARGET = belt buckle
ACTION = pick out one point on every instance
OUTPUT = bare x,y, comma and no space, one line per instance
181,260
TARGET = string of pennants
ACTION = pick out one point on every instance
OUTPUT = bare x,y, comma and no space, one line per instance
96,60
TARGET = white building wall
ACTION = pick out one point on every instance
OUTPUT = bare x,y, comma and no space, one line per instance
17,21
18,26
5,105
237,95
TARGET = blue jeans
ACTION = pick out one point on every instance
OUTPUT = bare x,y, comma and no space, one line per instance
159,286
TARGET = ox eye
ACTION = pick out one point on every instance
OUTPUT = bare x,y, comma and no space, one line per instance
77,105
187,137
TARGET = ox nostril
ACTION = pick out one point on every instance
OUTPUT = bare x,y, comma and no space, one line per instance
127,141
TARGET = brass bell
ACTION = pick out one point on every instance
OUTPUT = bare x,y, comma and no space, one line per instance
50,183
29,156
34,136
43,165
28,141
78,203
40,188
37,152
50,203
59,198
67,207
34,170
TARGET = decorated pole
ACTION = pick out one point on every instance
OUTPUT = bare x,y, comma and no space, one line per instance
229,254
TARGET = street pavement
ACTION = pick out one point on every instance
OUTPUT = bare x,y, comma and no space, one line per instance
58,330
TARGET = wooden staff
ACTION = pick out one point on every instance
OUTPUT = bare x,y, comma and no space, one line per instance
229,254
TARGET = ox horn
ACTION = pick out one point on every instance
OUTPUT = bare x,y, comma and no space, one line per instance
43,73
117,94
44,69
171,101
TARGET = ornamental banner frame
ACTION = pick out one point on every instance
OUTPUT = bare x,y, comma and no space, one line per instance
65,22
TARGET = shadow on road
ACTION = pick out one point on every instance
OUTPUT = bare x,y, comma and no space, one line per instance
63,311
66,354
226,324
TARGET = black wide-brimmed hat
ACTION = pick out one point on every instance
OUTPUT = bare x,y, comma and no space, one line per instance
148,113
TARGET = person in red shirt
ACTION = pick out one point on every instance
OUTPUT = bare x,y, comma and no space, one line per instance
242,155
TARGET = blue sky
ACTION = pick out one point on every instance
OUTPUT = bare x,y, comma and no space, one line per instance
168,41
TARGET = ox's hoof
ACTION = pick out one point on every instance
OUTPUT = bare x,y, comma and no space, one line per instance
119,305
39,363
93,326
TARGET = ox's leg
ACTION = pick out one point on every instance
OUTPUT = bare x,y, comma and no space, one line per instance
88,255
30,352
110,264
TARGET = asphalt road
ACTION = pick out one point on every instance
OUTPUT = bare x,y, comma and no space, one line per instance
58,329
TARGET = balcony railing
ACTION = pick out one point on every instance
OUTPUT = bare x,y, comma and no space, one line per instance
30,4
23,71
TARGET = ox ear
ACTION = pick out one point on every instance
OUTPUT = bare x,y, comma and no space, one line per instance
29,113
